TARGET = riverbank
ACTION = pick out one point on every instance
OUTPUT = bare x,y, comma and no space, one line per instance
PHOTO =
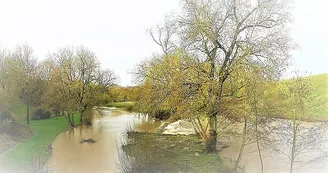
122,105
153,152
320,112
38,147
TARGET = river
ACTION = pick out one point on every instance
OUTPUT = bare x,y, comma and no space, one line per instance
108,129
69,155
312,157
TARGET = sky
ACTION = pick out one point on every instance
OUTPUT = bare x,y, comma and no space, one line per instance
116,30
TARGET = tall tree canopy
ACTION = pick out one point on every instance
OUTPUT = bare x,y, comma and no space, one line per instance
216,36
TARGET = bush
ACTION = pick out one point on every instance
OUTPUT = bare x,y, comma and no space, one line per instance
6,121
41,114
56,110
162,115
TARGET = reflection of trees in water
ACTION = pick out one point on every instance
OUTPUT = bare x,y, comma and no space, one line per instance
310,142
146,123
124,164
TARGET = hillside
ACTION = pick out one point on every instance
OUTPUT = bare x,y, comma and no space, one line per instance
321,83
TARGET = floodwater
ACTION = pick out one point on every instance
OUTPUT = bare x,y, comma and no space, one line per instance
312,158
69,155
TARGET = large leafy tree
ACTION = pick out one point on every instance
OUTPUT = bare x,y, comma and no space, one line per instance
77,71
216,34
23,73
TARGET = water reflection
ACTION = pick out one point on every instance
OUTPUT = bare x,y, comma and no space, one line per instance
69,155
312,155
107,155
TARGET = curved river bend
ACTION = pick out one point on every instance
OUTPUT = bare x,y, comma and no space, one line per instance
69,155
108,129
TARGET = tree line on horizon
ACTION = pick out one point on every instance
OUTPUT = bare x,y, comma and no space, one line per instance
70,80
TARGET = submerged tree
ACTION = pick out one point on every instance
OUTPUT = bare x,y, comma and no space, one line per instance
216,33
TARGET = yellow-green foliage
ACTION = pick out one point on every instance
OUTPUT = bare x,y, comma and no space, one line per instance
315,88
320,82
123,105
123,94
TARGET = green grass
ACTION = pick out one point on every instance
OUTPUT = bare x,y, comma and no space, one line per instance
320,82
319,112
46,130
152,152
123,105
19,109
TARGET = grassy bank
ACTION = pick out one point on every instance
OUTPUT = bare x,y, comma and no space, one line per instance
19,109
321,84
20,156
122,105
320,111
169,153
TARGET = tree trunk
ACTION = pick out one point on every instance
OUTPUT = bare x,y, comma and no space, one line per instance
210,142
258,145
70,119
81,117
211,139
28,114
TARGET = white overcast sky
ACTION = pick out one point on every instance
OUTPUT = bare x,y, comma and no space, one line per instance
116,29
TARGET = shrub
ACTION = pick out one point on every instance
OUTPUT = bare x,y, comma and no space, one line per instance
41,114
6,121
56,110
162,115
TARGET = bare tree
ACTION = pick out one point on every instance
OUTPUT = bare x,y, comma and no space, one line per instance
218,32
29,85
86,65
298,138
5,89
163,37
78,72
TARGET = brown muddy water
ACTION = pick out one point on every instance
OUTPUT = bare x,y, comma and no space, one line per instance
69,155
312,158
108,129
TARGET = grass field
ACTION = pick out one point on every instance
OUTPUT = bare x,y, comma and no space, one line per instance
320,82
20,156
319,112
154,152
123,105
